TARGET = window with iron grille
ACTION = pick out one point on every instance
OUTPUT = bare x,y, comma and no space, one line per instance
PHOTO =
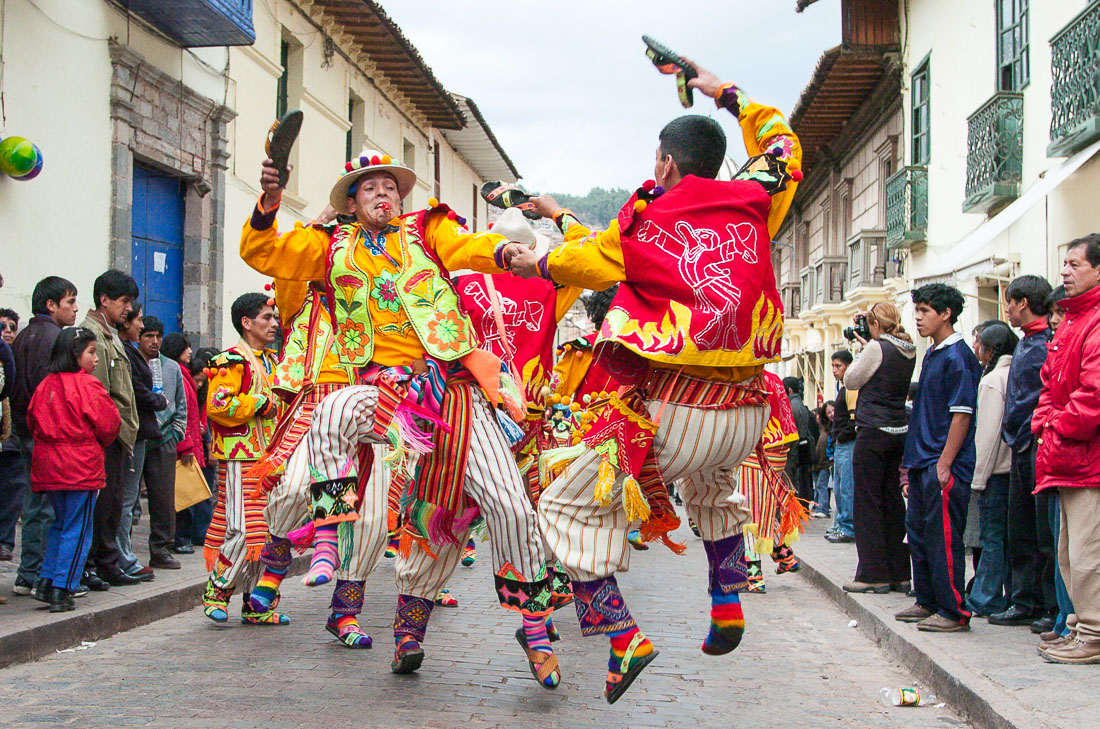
920,90
1013,69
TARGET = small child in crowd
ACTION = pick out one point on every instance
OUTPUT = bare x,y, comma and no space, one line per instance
71,418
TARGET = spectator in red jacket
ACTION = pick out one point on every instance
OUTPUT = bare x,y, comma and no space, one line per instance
72,419
1066,425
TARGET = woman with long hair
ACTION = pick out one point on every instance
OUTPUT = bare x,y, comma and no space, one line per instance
881,374
990,590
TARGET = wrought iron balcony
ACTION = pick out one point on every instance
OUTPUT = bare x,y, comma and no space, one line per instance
907,207
1075,87
994,153
197,23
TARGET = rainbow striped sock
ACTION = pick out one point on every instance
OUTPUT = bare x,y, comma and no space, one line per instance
267,588
325,557
620,641
727,624
534,629
551,629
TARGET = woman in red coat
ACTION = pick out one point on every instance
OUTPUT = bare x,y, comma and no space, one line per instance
72,419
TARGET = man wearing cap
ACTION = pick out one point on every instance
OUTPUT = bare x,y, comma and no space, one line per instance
696,317
399,324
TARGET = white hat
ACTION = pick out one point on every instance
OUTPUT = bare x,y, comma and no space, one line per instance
368,161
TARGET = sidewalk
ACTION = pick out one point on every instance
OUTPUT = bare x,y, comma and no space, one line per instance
992,675
28,631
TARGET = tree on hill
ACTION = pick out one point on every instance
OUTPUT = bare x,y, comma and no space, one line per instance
597,208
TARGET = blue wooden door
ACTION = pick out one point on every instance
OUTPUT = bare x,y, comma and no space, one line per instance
157,245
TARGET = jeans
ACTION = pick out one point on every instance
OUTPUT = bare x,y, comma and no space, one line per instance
14,481
131,509
821,491
993,582
37,517
844,487
1065,605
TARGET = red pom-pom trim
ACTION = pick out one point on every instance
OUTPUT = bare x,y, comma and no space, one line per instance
796,175
375,160
267,287
451,214
491,225
348,167
648,185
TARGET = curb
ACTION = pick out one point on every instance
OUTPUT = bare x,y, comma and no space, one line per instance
979,701
43,640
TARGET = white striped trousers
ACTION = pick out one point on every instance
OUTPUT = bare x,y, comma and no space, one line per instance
494,483
288,507
702,447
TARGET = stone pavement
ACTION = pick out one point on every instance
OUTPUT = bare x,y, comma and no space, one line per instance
29,631
992,674
799,666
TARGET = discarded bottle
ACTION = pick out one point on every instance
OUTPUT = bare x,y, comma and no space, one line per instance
905,697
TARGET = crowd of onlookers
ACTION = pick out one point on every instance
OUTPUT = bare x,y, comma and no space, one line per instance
995,449
95,416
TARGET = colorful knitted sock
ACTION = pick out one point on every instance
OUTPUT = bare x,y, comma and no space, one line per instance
620,641
276,559
348,630
391,546
534,630
727,624
469,554
551,629
411,620
325,557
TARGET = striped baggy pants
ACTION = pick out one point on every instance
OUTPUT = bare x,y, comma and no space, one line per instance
494,483
702,447
233,569
288,508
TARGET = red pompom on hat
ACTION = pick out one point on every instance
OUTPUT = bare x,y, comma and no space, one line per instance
376,160
796,175
348,167
648,185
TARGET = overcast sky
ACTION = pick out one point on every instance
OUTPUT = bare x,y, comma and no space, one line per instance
569,93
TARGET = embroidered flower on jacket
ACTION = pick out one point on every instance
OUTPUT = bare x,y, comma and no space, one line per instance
384,292
352,339
447,331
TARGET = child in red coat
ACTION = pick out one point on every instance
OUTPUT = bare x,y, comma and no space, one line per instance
72,419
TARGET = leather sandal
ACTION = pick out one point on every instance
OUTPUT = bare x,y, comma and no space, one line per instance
504,195
280,140
618,683
541,664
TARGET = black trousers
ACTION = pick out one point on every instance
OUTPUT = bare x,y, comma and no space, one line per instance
160,485
104,555
1030,542
879,510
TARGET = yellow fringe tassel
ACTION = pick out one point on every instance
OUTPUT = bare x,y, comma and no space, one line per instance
637,508
605,483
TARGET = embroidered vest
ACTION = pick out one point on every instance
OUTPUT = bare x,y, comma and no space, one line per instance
699,286
421,288
303,354
245,442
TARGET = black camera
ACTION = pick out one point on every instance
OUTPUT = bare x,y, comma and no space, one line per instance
860,329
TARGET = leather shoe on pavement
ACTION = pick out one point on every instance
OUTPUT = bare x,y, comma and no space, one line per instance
839,538
119,579
183,548
93,581
1074,651
940,624
164,562
1015,615
905,587
1055,642
1042,625
913,614
879,588
145,574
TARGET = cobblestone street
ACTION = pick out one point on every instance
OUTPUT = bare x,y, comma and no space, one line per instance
800,665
